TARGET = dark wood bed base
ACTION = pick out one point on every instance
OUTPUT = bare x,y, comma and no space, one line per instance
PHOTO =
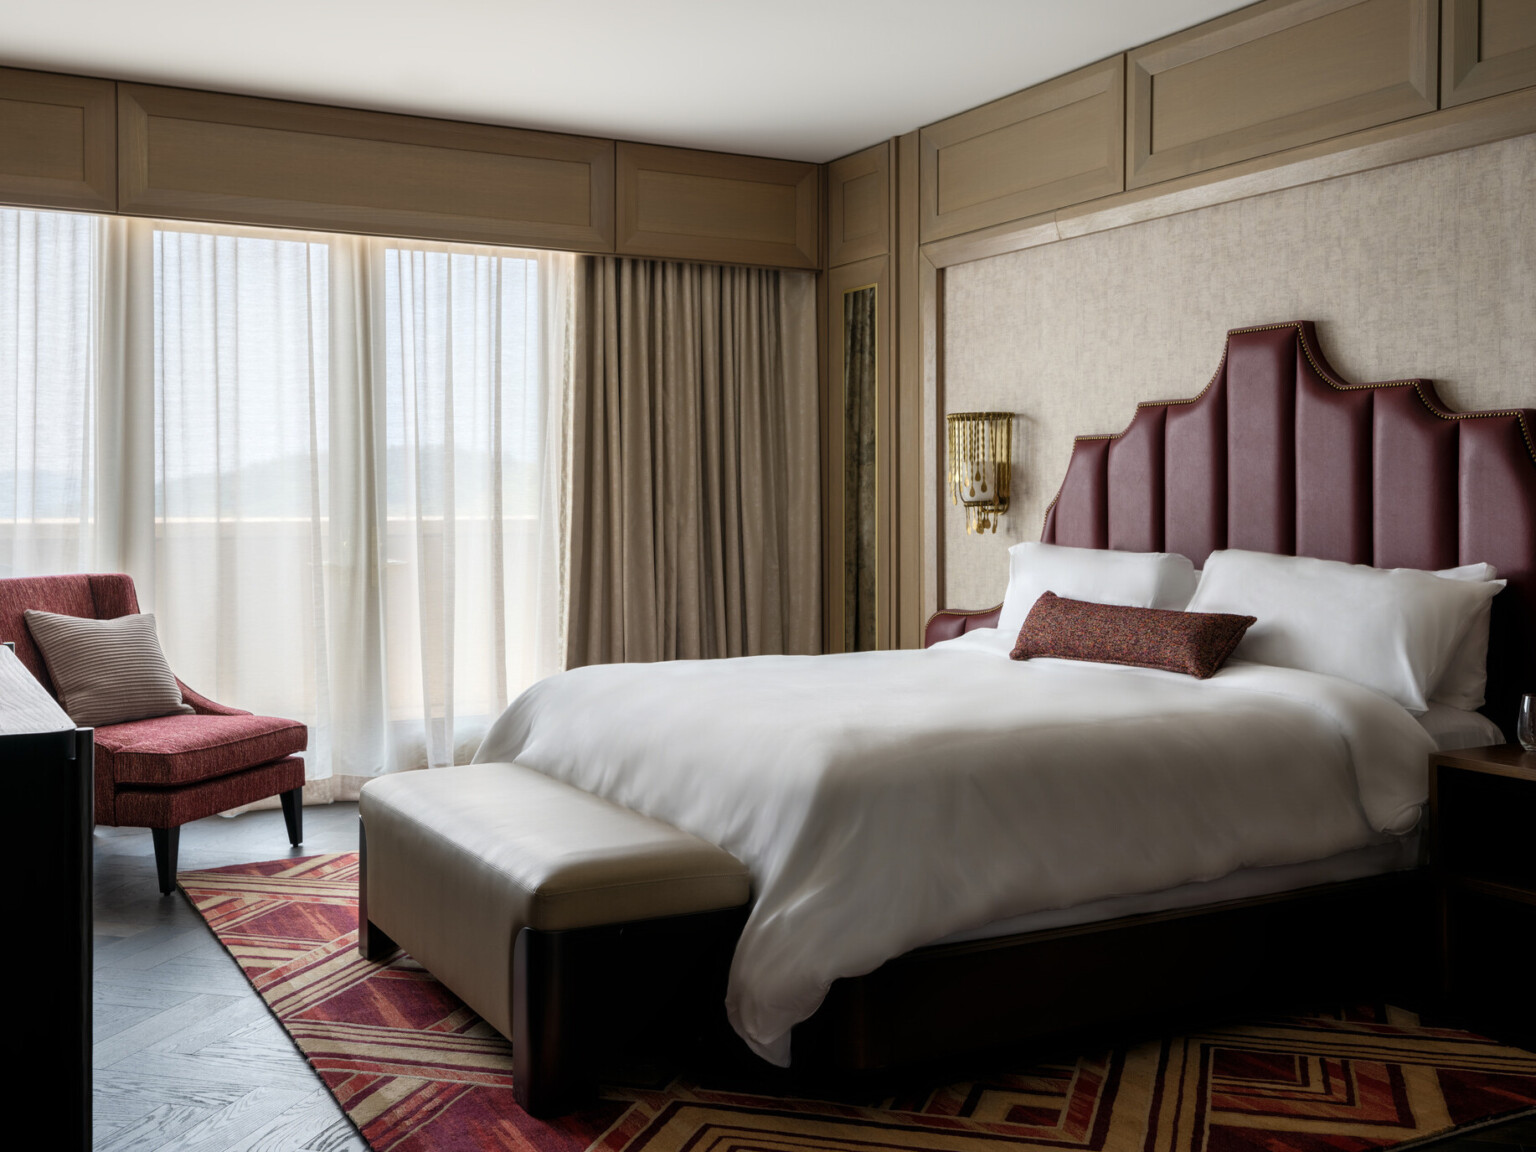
1366,937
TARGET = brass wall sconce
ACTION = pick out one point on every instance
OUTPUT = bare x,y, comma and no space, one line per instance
980,461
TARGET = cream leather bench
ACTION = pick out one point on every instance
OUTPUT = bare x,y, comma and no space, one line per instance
551,912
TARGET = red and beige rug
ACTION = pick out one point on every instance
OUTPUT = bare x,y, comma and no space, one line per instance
417,1071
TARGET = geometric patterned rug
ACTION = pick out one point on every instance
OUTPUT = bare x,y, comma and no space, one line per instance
417,1071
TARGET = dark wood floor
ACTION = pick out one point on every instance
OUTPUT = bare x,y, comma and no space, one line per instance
186,1054
187,1057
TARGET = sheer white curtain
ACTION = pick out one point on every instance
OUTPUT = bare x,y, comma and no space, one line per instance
241,385
48,381
332,464
359,483
472,436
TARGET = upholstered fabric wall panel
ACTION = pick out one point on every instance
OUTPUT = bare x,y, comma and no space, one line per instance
1085,497
1195,503
1422,469
1421,269
1136,497
1333,470
1261,458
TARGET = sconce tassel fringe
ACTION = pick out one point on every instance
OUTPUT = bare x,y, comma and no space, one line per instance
980,461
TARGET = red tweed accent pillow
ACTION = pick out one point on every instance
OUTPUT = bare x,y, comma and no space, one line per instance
1195,643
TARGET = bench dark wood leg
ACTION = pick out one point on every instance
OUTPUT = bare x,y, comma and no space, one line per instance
167,841
293,815
372,943
549,1073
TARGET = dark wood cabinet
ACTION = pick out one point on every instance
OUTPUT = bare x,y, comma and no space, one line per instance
1482,804
48,766
50,782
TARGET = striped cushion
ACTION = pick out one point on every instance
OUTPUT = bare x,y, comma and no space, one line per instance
106,671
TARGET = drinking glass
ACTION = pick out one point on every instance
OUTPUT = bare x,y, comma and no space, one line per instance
1526,728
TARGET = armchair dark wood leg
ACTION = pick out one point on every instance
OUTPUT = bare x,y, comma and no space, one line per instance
293,815
167,841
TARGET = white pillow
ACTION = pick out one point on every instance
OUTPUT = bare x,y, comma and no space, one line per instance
1394,630
1464,684
1100,575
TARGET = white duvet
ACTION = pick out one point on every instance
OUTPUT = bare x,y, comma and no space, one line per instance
884,800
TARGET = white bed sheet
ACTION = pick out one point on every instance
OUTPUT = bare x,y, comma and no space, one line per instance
1372,860
1044,784
1453,729
1450,728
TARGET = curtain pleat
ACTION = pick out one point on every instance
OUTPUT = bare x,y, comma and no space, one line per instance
694,522
48,374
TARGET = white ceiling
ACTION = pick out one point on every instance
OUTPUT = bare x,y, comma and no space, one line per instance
803,79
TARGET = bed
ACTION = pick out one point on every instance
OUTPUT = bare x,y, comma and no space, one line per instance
1164,909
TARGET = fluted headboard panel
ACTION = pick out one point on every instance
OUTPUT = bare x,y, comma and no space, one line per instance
1279,454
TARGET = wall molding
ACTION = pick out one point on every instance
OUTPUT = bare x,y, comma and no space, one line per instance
1487,47
193,155
81,143
1276,75
58,141
858,213
1448,130
684,204
1056,143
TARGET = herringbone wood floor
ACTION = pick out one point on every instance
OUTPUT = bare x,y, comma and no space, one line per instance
187,1057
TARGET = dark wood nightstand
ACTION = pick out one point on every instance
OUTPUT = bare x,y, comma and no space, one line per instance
1482,811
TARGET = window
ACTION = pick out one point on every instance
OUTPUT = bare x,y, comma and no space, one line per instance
355,448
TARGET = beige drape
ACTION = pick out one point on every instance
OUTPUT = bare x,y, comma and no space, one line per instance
694,521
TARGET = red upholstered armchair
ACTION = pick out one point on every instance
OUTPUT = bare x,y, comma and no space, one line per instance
162,772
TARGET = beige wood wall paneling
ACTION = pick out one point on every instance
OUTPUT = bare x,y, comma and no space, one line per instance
842,279
912,431
859,206
1056,143
680,204
824,393
207,156
1487,47
1449,130
58,141
1273,76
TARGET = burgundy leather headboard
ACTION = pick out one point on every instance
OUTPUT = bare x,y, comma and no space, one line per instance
1279,454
